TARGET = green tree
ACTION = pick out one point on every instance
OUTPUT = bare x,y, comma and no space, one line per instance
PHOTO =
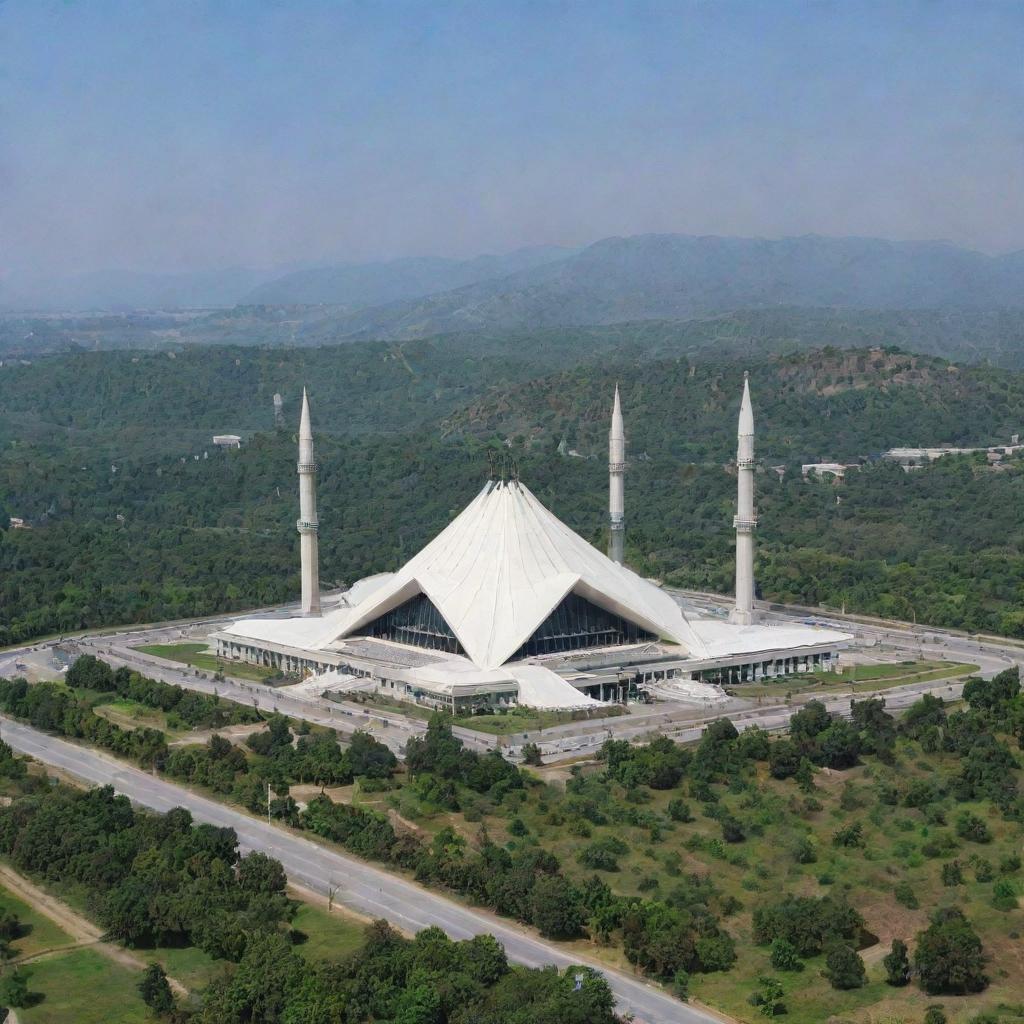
897,964
155,989
949,957
844,968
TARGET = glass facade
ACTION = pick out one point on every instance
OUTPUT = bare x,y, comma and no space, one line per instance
577,624
419,623
574,625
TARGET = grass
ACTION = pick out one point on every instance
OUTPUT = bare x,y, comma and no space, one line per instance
198,656
520,720
39,931
859,678
132,715
85,987
758,870
329,936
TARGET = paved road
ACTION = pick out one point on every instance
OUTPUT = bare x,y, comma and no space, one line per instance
369,890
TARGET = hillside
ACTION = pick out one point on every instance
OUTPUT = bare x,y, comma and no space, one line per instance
680,276
105,457
356,286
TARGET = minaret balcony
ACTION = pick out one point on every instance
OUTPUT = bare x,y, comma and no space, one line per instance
307,525
743,524
744,463
307,467
616,467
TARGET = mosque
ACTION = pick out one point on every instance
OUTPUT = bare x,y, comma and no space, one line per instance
508,605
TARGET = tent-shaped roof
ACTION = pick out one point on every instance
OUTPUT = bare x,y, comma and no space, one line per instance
503,565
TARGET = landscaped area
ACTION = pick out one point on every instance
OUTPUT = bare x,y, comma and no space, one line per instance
199,656
500,723
859,678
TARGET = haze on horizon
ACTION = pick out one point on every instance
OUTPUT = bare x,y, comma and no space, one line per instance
175,136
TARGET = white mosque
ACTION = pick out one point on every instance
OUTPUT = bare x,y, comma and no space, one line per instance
508,605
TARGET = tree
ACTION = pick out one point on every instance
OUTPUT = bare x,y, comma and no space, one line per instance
531,754
557,913
844,967
784,759
897,964
14,990
785,956
949,957
971,827
769,997
155,990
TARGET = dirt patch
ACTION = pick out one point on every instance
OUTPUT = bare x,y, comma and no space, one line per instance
81,929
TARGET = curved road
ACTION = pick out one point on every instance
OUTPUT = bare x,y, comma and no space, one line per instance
370,890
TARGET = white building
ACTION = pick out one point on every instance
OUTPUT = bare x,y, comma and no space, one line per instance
507,604
227,440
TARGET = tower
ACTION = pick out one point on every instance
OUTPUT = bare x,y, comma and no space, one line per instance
307,524
616,471
744,521
278,410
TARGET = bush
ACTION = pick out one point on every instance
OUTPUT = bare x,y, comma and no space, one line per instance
679,810
602,854
1004,895
897,964
905,895
934,1015
785,956
949,957
970,826
844,967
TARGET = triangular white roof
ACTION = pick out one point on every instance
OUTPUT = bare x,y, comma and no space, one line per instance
495,573
502,566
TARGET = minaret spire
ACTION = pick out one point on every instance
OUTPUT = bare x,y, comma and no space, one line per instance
307,524
745,520
616,486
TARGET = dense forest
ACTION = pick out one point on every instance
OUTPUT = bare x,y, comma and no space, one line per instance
135,515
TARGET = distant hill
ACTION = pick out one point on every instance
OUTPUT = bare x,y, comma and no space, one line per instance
678,276
357,286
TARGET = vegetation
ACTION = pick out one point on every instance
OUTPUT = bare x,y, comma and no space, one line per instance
160,879
173,529
635,854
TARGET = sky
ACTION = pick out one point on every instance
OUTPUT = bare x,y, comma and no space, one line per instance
186,135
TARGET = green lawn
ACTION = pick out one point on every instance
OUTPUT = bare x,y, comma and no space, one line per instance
859,678
199,656
521,720
330,936
40,932
84,987
132,715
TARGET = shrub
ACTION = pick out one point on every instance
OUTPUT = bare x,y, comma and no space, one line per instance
949,957
844,967
970,826
785,956
905,895
897,964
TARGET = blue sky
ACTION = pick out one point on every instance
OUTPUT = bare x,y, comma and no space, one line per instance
187,134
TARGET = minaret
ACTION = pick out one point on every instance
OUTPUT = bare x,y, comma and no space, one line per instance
616,469
307,524
745,520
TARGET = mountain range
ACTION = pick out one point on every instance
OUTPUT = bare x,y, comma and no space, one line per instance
643,277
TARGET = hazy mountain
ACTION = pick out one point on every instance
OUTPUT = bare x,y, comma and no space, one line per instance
372,284
676,276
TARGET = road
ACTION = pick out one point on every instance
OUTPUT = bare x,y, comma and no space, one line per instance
367,889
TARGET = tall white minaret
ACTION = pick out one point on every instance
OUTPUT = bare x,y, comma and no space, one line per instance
307,524
745,521
616,471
